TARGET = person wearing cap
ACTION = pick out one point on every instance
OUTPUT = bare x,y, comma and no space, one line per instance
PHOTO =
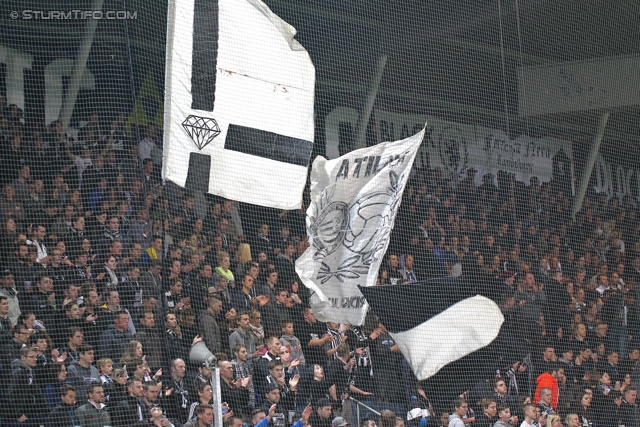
339,422
323,415
204,376
9,291
272,397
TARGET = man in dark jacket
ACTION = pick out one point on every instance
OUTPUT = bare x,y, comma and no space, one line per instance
147,335
25,402
128,411
260,368
556,311
62,415
82,372
629,412
11,350
234,392
94,413
208,326
115,340
272,397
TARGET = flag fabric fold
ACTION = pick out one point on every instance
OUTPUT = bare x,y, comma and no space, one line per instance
239,97
354,201
436,323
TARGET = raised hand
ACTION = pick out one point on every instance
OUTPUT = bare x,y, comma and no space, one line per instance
293,382
306,414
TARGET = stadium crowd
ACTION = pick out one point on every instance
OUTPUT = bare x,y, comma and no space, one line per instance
110,277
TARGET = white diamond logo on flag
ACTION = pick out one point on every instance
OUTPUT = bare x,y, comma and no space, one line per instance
202,130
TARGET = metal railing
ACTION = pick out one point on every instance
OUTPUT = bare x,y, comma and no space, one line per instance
360,404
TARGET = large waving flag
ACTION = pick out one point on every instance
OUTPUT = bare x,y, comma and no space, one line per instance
238,102
437,323
354,200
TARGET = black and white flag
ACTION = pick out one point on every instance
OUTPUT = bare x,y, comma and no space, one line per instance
239,99
354,201
436,323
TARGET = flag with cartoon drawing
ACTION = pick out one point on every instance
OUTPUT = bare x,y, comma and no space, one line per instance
354,201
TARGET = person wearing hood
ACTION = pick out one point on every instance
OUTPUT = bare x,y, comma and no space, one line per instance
82,372
549,381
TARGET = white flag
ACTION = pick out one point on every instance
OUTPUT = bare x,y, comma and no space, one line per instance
354,200
239,99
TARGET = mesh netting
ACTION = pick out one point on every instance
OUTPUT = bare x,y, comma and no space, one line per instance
417,209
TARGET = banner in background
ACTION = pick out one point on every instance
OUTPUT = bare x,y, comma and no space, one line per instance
615,180
354,200
456,148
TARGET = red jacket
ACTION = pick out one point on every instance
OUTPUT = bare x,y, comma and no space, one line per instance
546,380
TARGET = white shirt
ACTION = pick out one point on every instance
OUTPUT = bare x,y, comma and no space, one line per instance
145,147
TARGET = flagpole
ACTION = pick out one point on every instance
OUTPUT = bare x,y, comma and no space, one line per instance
588,167
363,120
79,68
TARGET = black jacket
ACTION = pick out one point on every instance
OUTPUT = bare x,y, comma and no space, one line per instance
62,416
127,412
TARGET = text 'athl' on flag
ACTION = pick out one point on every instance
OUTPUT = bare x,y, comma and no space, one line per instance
354,201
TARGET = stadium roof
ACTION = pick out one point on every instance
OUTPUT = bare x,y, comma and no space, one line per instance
445,58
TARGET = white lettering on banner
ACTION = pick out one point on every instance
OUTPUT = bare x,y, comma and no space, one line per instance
16,63
53,83
54,72
618,182
456,148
